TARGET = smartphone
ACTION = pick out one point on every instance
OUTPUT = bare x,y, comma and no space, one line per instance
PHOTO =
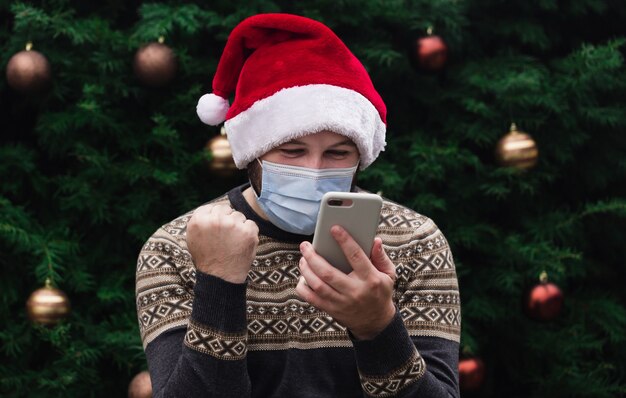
358,213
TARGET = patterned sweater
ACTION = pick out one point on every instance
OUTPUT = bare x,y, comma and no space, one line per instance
206,337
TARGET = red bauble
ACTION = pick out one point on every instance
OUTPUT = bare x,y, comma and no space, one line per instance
543,302
471,373
431,53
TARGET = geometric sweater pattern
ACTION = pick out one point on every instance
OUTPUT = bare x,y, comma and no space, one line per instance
272,317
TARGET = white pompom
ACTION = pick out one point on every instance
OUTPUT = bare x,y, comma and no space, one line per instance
212,109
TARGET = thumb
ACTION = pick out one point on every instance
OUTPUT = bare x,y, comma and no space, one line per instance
381,261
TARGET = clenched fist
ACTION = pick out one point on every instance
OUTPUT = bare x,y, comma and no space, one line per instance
222,242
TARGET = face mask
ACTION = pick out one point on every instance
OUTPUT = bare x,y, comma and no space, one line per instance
291,195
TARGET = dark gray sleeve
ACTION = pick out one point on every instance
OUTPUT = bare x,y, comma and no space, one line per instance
394,364
208,358
442,365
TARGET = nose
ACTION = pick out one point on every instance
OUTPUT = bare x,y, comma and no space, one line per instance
315,161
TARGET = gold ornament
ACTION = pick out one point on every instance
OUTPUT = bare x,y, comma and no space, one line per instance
140,386
221,163
155,64
517,149
28,71
47,305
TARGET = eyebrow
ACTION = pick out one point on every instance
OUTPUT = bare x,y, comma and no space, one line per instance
344,142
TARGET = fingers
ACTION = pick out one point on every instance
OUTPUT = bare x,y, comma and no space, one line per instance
323,270
312,297
381,261
252,226
222,217
359,261
238,217
212,210
307,294
221,209
316,284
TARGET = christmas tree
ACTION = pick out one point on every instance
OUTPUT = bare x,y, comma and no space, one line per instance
98,153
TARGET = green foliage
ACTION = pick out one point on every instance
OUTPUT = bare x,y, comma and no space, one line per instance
90,169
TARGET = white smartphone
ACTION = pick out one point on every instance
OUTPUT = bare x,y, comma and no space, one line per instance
358,213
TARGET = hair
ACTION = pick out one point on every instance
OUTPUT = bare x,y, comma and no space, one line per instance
255,175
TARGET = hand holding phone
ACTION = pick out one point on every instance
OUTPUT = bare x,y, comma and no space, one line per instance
358,213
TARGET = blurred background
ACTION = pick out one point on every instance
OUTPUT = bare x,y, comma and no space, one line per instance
506,126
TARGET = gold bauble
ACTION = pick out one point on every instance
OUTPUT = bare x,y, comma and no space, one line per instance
28,71
47,305
140,386
155,64
517,149
221,163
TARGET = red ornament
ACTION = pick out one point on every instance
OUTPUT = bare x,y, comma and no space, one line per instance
543,302
471,373
431,52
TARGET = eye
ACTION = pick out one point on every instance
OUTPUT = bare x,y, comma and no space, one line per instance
338,153
292,152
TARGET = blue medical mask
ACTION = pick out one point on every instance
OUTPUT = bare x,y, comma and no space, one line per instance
291,195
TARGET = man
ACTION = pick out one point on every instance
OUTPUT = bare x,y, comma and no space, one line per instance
233,301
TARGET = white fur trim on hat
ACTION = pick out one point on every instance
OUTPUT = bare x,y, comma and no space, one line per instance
212,109
298,111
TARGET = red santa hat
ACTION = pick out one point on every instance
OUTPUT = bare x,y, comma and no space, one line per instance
292,76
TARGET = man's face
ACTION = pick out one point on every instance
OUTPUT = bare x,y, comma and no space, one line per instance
323,150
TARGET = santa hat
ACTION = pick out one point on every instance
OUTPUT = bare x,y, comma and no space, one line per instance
292,76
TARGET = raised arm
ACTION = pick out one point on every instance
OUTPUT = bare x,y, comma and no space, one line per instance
195,334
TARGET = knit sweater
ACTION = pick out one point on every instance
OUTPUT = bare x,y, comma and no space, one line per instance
206,337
